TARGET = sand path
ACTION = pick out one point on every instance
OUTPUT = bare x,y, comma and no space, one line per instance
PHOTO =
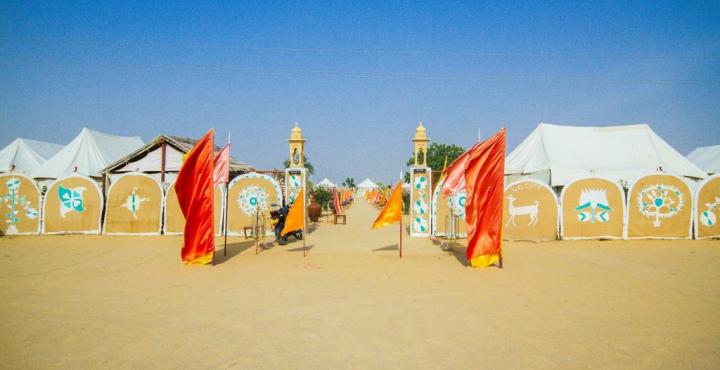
128,302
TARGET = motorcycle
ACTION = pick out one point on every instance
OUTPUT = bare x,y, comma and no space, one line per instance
278,218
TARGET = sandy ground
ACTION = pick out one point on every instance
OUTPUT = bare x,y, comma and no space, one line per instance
128,302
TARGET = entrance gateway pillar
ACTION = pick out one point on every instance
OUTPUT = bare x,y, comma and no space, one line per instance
420,186
295,174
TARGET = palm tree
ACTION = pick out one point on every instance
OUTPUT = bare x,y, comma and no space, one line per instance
349,182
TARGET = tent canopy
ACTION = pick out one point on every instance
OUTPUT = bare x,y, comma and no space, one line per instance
367,184
559,154
707,158
26,155
90,152
325,183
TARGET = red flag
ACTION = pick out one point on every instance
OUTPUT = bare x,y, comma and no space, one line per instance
484,175
337,203
455,174
194,188
222,166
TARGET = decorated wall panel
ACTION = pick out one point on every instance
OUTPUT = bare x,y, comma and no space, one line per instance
134,205
174,221
252,195
592,208
530,211
72,204
448,214
707,208
659,206
19,204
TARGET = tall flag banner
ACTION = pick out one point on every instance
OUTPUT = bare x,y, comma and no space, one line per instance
194,187
337,202
296,216
484,182
392,212
222,166
455,174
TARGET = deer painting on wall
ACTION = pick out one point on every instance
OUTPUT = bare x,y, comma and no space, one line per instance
530,210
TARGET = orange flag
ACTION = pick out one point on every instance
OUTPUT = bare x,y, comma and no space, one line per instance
392,212
296,216
455,174
484,175
194,188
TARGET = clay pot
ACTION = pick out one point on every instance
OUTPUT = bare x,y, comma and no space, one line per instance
314,211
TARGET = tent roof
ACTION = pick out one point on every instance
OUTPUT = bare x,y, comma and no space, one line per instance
326,183
26,154
147,157
707,158
621,153
366,184
90,152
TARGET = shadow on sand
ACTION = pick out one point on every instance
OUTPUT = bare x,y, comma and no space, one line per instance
391,247
233,249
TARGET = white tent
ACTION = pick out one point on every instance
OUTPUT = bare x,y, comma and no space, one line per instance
26,155
707,158
91,151
325,183
558,154
366,185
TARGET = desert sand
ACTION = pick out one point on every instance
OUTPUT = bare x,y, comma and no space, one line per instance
128,302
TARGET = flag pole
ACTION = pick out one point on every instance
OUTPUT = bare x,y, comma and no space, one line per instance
304,232
401,232
227,195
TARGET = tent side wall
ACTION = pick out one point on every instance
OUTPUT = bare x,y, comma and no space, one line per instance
72,205
20,201
530,211
134,206
659,206
592,208
248,194
707,208
174,221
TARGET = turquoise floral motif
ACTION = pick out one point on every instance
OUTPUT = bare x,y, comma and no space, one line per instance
16,203
707,217
71,199
420,206
133,202
660,201
252,199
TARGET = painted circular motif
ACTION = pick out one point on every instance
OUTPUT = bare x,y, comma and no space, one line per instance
457,204
660,201
252,198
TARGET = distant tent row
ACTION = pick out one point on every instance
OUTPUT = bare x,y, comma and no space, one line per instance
707,158
25,155
365,186
136,205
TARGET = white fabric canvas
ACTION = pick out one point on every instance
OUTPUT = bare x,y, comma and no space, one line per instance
707,158
26,155
367,184
325,183
91,151
620,153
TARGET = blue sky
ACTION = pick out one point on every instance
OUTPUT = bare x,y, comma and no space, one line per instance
357,76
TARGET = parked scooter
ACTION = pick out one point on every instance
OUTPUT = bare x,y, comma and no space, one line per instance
278,217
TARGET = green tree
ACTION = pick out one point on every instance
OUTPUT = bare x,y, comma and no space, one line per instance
349,182
436,155
308,166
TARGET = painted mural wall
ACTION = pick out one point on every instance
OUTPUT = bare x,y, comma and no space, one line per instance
249,195
530,211
72,204
659,206
174,221
592,208
448,213
19,204
134,205
707,208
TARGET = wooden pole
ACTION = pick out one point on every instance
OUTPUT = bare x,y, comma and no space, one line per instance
227,191
401,232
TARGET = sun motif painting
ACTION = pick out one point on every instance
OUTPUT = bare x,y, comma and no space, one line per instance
19,203
252,196
134,205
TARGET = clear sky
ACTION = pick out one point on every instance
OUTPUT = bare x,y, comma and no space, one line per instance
358,77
